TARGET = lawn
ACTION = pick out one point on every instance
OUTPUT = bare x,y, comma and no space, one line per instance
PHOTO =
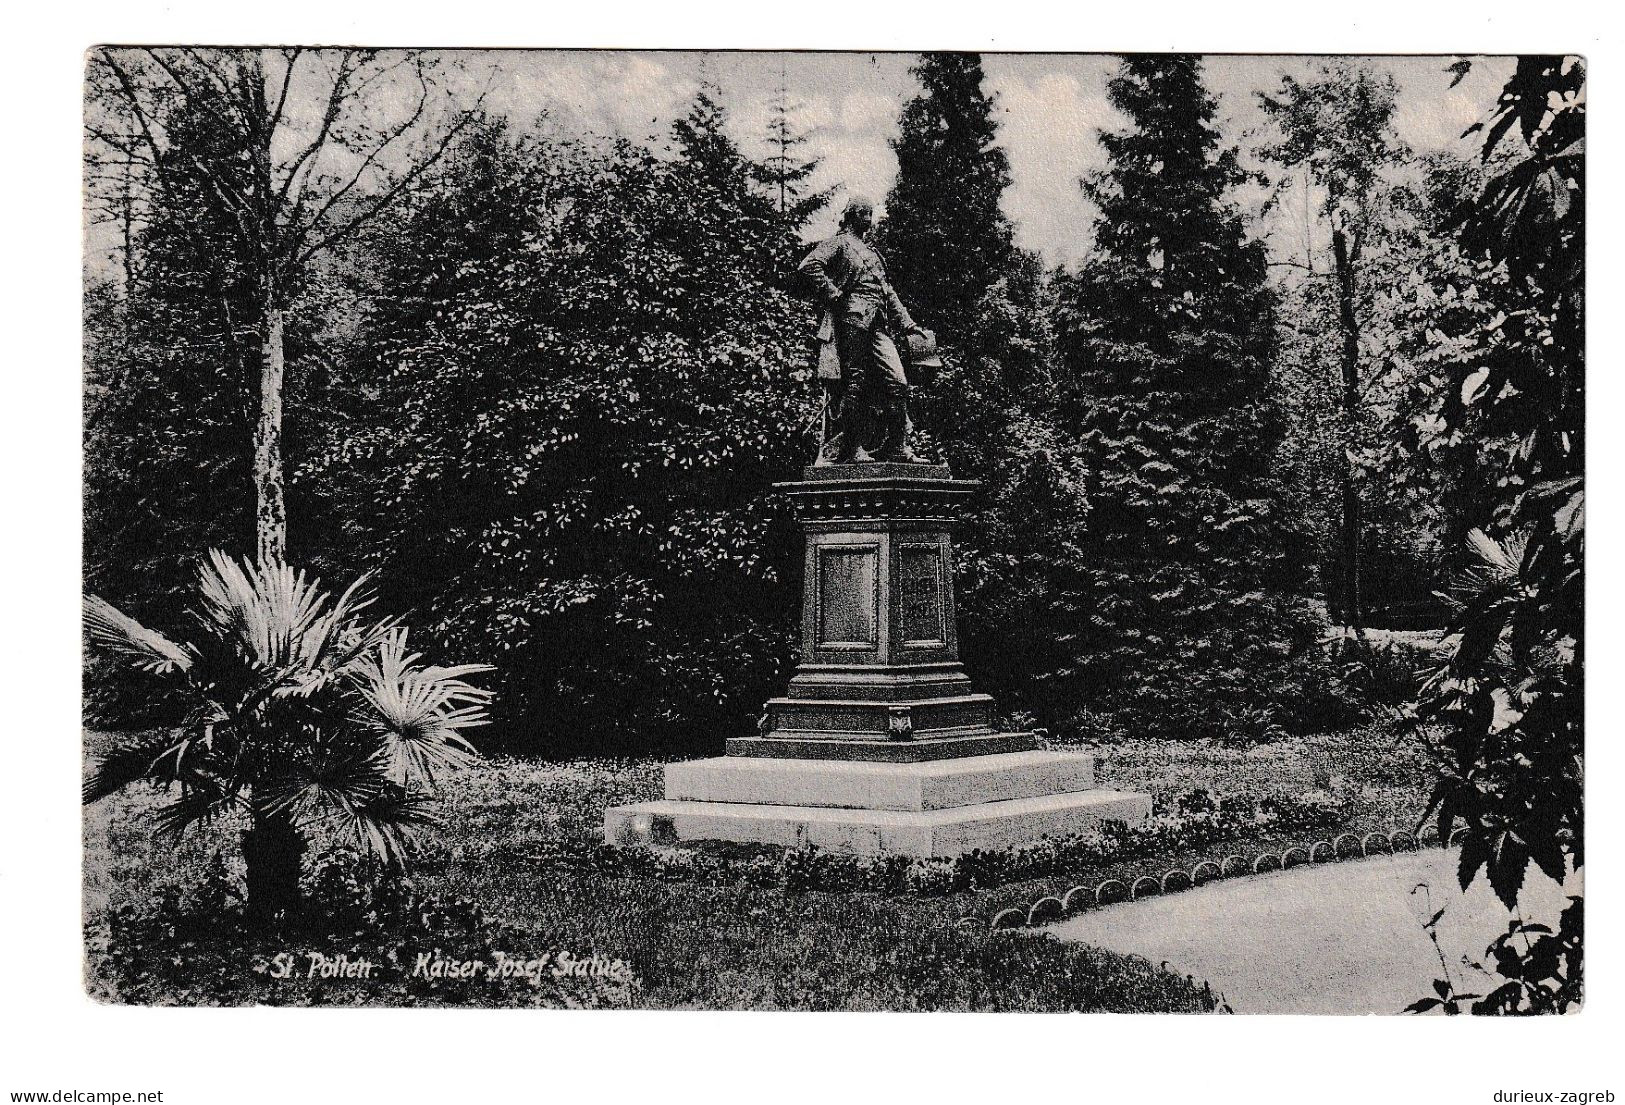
684,944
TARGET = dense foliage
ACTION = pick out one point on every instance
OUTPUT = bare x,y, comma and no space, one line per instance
1182,608
1510,697
1369,237
585,380
169,389
544,405
945,238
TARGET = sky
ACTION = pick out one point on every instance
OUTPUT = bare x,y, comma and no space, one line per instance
1050,107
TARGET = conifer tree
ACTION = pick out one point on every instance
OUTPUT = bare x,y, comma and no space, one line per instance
1166,337
945,239
784,173
703,145
986,412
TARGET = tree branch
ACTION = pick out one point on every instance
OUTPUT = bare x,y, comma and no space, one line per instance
290,58
203,103
335,100
238,204
338,194
404,182
133,99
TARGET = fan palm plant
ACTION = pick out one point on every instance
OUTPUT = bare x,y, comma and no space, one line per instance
300,710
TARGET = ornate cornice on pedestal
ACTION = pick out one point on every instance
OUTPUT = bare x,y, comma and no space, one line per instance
862,492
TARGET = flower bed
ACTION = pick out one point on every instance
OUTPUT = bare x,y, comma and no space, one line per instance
1192,820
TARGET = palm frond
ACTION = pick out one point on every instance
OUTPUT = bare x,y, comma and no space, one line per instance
1494,574
341,648
419,712
123,636
304,710
1501,560
131,762
353,792
388,825
336,639
334,784
263,608
200,806
279,633
278,615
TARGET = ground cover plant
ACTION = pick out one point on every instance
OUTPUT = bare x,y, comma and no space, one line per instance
162,921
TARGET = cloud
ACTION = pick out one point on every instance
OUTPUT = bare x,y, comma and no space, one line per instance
1048,120
867,111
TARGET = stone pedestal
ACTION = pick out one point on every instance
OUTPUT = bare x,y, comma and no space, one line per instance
880,744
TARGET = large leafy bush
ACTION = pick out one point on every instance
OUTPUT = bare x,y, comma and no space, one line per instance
585,380
1510,697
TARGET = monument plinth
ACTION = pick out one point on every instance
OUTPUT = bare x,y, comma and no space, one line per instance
880,744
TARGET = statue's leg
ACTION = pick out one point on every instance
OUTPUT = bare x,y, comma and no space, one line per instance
858,397
832,432
893,389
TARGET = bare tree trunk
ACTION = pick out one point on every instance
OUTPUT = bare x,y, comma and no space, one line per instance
283,220
1349,551
270,507
127,221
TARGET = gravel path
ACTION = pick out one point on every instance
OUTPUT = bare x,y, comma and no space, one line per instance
1336,938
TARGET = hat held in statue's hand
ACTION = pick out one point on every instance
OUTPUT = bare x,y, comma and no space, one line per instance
922,349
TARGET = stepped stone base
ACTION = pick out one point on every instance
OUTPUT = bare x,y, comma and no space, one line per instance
923,834
930,785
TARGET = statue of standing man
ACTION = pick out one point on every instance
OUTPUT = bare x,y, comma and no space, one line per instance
858,361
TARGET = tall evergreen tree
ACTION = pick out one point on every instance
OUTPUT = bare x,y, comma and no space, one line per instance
784,173
986,412
1184,623
945,239
703,144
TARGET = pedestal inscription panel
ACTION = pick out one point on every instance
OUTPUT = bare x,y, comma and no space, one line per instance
919,578
848,596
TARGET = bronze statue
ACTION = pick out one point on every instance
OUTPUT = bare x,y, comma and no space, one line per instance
866,387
